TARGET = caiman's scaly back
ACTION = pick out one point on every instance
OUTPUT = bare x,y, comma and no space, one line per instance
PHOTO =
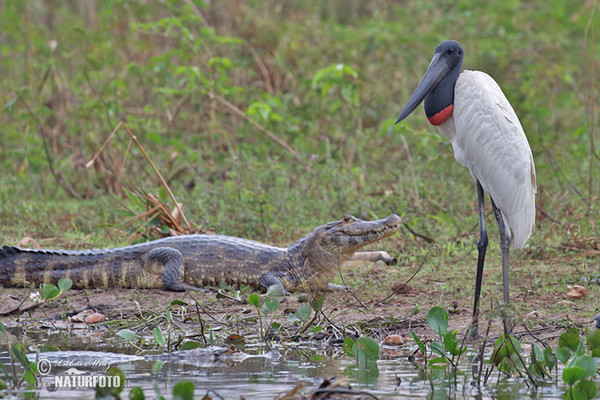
190,261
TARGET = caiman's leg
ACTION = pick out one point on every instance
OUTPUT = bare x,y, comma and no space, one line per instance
171,262
374,256
269,279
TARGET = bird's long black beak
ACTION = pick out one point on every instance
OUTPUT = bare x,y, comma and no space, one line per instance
438,69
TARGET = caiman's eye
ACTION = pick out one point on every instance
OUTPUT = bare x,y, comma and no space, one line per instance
347,219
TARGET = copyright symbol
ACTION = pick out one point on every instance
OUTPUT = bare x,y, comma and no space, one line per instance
44,367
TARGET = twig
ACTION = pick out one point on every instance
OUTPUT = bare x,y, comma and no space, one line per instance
57,176
545,214
198,306
395,292
427,239
241,114
520,359
262,67
533,336
481,353
18,310
557,167
196,12
158,174
591,99
344,391
339,262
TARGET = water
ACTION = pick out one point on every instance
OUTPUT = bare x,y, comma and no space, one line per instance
269,378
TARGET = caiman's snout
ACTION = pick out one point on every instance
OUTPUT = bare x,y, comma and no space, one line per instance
351,233
394,221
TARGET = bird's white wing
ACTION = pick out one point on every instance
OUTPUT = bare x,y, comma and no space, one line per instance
490,142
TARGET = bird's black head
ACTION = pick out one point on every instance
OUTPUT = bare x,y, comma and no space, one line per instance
451,50
437,85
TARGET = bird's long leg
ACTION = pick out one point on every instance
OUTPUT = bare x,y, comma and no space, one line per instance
504,247
481,248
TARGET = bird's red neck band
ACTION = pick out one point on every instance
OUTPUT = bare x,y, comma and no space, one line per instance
441,116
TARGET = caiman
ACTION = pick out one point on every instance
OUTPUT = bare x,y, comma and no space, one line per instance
199,357
190,261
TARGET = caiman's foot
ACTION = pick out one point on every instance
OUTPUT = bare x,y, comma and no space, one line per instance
374,256
187,287
333,287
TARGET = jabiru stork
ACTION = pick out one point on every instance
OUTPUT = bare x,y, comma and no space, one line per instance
470,109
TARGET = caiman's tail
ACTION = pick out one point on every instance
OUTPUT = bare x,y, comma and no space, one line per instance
8,251
87,268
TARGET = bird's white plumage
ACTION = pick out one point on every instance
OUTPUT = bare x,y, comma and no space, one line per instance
488,139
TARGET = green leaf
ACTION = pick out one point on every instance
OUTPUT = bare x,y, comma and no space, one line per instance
10,104
588,387
20,353
254,299
593,340
178,303
580,348
158,337
437,319
2,328
575,394
303,312
438,360
127,334
503,349
569,339
136,393
587,363
419,343
49,291
451,343
315,358
271,305
348,346
317,303
549,358
47,348
572,374
64,284
292,318
155,137
563,354
183,391
514,346
369,346
5,372
189,345
113,392
275,291
437,347
29,378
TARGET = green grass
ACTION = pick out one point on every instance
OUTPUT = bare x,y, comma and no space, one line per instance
177,76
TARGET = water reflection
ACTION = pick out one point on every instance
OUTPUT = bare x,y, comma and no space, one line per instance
269,377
